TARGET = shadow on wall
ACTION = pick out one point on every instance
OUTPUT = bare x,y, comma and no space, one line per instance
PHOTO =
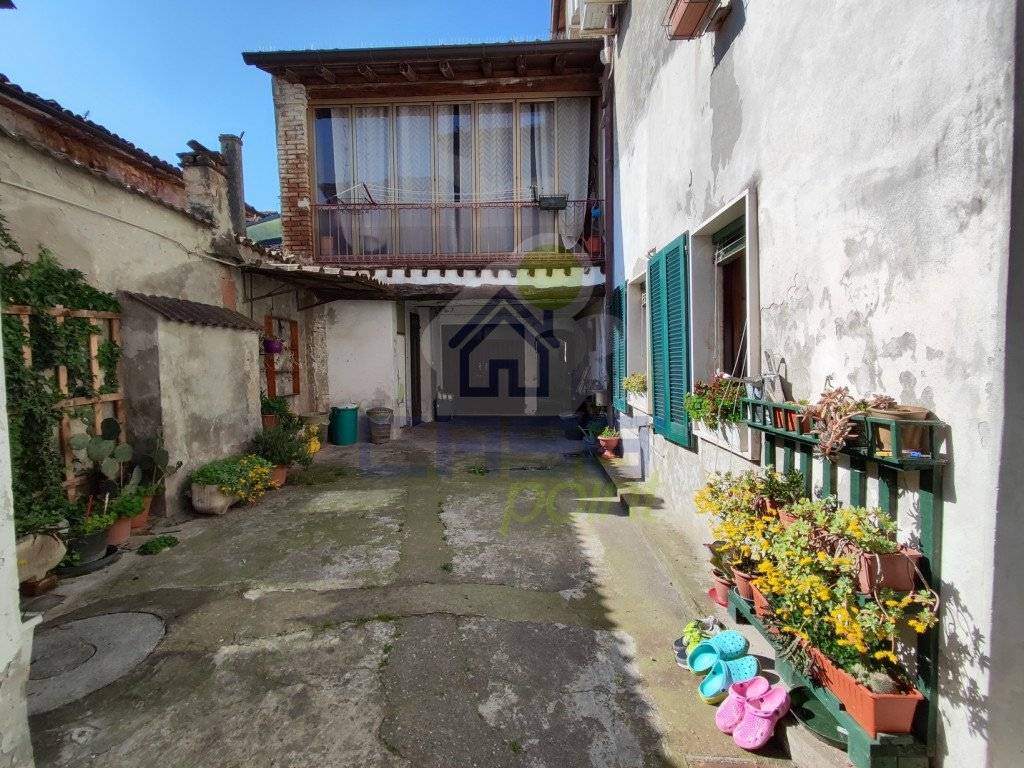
730,30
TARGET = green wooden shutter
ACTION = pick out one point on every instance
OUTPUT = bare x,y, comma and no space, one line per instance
618,347
667,292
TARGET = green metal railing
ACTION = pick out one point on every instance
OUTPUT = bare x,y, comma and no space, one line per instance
866,461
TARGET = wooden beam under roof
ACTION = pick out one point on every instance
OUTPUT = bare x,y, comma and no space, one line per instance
368,72
589,83
405,68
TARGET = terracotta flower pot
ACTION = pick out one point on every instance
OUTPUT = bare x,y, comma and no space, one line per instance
719,592
786,517
269,420
793,420
118,533
141,520
895,571
608,445
209,500
779,418
911,438
743,588
874,712
279,475
761,607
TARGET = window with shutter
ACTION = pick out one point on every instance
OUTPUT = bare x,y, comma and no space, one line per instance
667,288
618,347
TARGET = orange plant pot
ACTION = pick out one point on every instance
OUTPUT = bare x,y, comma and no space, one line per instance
786,517
141,520
279,475
119,532
269,420
895,571
608,444
761,607
874,712
719,592
743,586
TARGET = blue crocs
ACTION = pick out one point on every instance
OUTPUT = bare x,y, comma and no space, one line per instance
715,686
722,647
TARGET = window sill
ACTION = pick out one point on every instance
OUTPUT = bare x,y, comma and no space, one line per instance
735,438
640,403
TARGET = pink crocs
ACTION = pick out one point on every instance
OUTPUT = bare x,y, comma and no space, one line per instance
762,715
731,711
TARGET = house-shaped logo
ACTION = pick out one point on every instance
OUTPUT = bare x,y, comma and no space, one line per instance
537,334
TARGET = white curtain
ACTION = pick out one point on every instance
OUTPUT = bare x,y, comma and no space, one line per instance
334,179
373,177
413,142
496,164
455,180
573,165
536,173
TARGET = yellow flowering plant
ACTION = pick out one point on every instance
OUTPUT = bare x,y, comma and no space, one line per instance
742,528
245,477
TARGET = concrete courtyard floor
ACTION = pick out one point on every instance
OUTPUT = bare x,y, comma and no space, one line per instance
469,595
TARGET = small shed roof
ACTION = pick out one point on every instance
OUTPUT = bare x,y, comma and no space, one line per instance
194,312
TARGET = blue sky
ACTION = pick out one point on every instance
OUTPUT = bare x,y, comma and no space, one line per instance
160,73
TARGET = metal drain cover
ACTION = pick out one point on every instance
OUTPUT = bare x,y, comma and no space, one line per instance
72,660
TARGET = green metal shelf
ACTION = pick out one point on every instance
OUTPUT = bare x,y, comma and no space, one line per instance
895,750
864,463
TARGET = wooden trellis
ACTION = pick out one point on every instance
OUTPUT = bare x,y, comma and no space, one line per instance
103,321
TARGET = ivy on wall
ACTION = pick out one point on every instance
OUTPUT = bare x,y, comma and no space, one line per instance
37,470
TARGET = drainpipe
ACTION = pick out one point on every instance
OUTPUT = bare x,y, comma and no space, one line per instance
608,214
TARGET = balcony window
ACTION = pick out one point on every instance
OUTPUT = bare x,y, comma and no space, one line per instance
451,179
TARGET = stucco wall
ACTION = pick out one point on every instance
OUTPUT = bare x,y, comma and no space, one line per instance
209,385
365,358
878,139
15,638
120,240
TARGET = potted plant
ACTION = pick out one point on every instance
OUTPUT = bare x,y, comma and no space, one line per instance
778,491
715,403
272,345
124,507
744,528
103,462
282,447
913,439
635,386
721,573
87,536
218,485
273,410
609,440
834,418
157,466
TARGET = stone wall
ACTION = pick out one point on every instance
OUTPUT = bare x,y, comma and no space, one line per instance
879,149
290,106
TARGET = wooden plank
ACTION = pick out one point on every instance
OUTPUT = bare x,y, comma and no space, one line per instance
268,359
769,450
887,487
828,477
20,309
858,482
26,349
788,463
294,341
97,376
424,89
119,409
930,514
78,402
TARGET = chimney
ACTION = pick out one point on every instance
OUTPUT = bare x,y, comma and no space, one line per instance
206,185
231,150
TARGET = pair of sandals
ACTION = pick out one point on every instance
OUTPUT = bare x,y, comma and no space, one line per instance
723,660
751,711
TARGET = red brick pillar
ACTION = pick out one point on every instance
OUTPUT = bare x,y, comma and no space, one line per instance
293,148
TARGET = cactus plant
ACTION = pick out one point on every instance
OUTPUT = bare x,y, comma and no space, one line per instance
106,459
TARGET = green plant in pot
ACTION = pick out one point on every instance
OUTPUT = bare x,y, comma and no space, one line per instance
609,438
715,403
156,468
218,485
282,447
104,464
635,383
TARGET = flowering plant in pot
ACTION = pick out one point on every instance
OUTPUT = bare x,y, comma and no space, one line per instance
778,491
744,527
721,573
87,535
282,447
868,536
609,440
273,410
103,464
218,485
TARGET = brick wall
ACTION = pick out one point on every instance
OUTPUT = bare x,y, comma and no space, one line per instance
293,166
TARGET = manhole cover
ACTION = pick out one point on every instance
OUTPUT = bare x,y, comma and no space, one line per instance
72,660
55,653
